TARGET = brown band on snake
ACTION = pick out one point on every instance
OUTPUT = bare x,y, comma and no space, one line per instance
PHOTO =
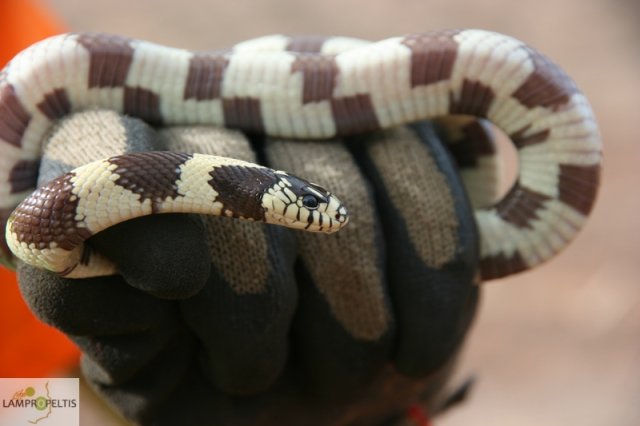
521,205
475,99
238,186
432,59
110,59
142,103
319,76
475,142
308,43
206,71
23,174
243,112
154,180
520,140
547,86
578,186
14,118
50,217
477,136
55,104
354,114
501,265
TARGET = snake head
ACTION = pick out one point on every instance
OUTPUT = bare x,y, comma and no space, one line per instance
297,203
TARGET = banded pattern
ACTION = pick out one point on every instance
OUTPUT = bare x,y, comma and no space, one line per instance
473,145
49,227
265,86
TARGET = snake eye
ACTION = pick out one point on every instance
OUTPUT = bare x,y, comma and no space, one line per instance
310,202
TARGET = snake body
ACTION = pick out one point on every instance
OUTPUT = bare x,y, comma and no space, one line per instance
269,86
59,216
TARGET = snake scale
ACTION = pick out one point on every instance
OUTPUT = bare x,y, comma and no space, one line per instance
304,88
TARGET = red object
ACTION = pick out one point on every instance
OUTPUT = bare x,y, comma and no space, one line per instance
28,348
418,415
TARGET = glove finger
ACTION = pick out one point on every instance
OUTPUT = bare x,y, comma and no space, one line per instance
431,241
163,255
114,359
140,397
243,314
343,326
118,327
90,306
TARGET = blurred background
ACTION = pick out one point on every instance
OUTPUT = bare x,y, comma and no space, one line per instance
559,345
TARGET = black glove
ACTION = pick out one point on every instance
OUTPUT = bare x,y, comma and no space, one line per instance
221,322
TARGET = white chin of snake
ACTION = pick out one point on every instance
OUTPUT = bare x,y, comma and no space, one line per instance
293,223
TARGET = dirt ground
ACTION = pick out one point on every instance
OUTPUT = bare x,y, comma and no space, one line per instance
555,346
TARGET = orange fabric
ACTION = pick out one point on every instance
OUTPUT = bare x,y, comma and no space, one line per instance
28,348
23,22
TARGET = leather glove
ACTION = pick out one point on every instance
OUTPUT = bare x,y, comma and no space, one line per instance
222,322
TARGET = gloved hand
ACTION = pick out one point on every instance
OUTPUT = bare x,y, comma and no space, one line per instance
220,322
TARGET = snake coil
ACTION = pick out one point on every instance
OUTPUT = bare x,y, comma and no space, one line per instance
311,88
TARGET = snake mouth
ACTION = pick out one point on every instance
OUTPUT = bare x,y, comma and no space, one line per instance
327,218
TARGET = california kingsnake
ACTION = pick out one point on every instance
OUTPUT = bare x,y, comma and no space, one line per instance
330,89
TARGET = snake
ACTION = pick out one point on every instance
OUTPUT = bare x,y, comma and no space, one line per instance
298,88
